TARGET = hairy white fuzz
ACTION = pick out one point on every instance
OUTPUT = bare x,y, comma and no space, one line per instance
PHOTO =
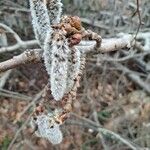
47,54
40,20
62,62
54,10
59,67
47,128
73,67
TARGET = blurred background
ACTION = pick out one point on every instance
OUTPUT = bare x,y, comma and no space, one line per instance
114,91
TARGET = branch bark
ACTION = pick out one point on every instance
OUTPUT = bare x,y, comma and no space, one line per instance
108,45
29,56
35,55
20,43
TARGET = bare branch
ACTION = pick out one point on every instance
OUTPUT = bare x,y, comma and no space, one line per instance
139,16
15,95
19,44
36,98
19,130
8,29
93,125
125,58
4,78
32,56
108,45
134,77
23,44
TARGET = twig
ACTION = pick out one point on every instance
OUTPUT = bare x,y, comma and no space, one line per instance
16,9
125,58
95,23
108,45
139,16
15,95
146,37
23,44
117,136
95,116
19,44
8,29
4,78
37,97
29,56
134,77
34,56
19,131
90,124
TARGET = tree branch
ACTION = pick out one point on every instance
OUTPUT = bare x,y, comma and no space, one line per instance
134,77
29,56
108,45
20,43
35,55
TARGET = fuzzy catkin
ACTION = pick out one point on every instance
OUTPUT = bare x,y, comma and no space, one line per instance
40,20
73,67
64,65
59,69
47,128
54,8
61,61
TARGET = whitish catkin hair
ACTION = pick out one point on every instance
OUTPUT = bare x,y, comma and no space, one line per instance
54,10
59,65
73,67
63,67
40,20
62,62
55,66
47,128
